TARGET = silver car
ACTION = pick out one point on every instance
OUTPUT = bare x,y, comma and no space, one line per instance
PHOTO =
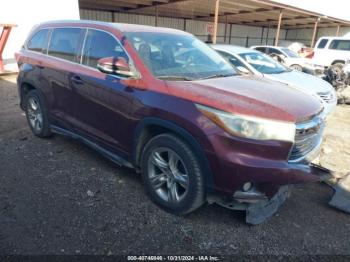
251,61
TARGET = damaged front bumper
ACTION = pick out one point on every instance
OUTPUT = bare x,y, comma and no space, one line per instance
258,206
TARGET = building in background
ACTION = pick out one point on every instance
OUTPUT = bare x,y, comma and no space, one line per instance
244,22
25,14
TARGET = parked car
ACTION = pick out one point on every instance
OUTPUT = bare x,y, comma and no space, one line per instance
256,63
330,51
290,59
195,129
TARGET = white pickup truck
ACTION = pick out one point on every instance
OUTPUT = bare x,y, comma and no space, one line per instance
331,51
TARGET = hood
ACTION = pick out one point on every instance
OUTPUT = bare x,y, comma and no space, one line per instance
249,95
305,82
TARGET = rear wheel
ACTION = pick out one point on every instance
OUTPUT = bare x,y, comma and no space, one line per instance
172,174
36,114
296,68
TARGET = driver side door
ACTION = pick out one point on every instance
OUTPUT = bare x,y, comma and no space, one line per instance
102,102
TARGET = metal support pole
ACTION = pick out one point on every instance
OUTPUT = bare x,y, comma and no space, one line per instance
6,30
216,19
278,28
267,35
156,19
229,40
262,35
315,32
338,30
225,30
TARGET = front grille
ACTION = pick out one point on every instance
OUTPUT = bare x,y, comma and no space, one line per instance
308,136
326,96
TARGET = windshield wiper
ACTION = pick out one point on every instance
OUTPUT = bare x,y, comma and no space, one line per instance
180,78
215,76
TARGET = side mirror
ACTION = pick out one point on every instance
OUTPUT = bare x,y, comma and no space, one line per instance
243,70
115,65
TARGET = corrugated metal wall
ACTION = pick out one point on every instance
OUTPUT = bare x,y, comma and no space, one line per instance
240,34
305,35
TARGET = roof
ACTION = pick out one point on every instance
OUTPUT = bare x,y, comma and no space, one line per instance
123,27
243,12
234,49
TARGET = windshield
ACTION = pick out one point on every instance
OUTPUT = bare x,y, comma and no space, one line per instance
290,53
179,57
263,63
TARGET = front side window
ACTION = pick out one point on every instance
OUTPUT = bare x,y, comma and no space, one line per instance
233,60
65,43
178,57
322,43
263,63
290,53
39,41
340,45
99,44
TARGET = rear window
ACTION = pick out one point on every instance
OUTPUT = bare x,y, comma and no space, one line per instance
322,43
340,45
65,42
39,41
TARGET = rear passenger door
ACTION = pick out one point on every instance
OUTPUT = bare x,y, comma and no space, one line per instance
63,54
102,102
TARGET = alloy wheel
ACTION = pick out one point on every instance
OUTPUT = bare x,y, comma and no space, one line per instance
35,115
168,175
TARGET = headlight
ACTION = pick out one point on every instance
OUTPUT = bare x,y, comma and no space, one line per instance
250,127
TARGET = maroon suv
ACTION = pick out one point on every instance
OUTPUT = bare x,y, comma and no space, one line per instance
161,101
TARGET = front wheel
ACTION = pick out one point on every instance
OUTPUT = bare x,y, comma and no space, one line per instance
172,174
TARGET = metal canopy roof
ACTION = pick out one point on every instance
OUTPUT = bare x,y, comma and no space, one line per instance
243,12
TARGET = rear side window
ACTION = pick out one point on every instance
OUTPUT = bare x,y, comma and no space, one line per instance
99,44
65,43
322,43
340,45
261,49
38,42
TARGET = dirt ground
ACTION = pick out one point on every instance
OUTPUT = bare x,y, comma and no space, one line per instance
59,197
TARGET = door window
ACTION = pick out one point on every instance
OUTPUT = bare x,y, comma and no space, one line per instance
233,60
275,51
322,44
38,42
65,42
261,49
340,45
99,44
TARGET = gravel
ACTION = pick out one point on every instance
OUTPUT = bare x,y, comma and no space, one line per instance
60,197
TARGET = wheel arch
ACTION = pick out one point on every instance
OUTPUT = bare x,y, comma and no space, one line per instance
338,61
152,126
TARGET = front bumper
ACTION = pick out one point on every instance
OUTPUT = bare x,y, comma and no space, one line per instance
263,164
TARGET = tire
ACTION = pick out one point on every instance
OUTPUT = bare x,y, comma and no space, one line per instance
36,114
172,174
296,68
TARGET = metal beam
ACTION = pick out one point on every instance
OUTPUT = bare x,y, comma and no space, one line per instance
338,30
314,33
278,28
216,19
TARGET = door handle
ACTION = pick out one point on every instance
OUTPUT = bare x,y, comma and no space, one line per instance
77,80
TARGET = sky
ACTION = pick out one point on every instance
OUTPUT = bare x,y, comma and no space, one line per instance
336,8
